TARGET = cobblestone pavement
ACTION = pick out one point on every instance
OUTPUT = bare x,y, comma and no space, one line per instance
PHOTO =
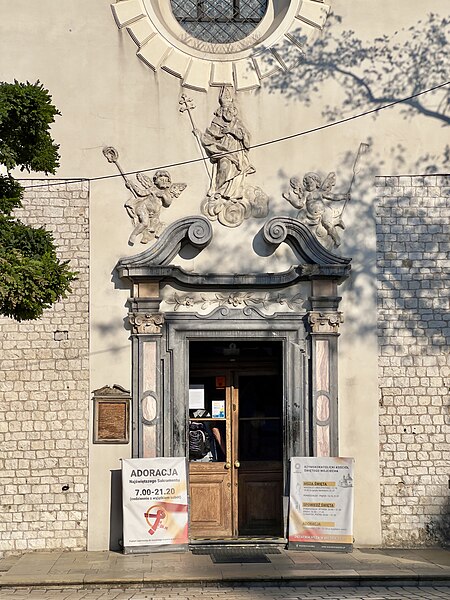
212,592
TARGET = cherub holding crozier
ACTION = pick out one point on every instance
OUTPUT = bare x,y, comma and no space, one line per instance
148,198
145,207
312,197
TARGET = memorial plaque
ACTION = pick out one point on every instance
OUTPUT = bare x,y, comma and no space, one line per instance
111,415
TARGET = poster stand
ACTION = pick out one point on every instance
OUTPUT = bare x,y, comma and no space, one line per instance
321,504
155,505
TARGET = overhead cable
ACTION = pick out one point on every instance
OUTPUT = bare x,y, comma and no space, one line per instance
254,146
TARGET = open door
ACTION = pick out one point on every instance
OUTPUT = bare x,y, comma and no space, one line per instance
259,453
209,447
236,477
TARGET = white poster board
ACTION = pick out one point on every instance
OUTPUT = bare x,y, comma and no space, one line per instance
196,396
155,504
321,504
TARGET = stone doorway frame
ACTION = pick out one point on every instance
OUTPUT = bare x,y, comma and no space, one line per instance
237,325
160,339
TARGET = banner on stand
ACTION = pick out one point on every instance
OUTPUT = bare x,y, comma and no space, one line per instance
321,504
155,504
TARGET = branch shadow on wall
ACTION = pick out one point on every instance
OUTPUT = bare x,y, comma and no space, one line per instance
371,74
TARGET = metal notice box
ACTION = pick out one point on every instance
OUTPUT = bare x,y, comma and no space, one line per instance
111,415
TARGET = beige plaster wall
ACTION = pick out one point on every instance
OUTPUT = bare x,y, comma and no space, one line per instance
108,97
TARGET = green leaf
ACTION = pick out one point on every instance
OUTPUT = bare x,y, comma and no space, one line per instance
32,278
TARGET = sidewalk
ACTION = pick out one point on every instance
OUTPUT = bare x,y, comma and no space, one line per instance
365,566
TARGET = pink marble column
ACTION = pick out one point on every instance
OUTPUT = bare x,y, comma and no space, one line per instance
324,334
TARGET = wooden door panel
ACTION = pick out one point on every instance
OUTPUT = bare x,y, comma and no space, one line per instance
244,499
260,499
210,500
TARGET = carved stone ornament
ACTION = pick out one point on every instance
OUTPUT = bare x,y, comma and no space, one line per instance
239,300
312,197
146,322
325,322
196,231
226,144
302,241
153,263
149,197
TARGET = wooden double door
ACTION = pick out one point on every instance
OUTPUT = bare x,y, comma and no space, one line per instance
236,489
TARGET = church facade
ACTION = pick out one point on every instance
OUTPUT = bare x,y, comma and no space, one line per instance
255,198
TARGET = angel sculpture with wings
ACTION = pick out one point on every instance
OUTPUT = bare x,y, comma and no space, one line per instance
311,197
145,207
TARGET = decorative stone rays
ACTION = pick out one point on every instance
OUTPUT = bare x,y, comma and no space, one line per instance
268,50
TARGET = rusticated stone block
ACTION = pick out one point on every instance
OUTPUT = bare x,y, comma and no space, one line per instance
44,383
413,354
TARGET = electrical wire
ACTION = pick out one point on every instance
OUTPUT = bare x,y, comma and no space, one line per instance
260,145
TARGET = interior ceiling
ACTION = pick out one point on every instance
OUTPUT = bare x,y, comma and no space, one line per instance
250,350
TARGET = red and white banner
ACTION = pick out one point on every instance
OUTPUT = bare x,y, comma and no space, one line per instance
321,503
155,503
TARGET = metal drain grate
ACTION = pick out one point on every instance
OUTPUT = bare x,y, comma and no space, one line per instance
235,556
230,549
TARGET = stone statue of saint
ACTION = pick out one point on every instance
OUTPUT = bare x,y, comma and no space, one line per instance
227,143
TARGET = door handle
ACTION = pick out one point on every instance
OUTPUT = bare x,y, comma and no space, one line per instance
237,464
227,465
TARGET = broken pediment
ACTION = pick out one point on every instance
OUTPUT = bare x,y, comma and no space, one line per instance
154,264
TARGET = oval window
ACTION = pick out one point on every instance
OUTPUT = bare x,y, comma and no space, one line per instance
219,21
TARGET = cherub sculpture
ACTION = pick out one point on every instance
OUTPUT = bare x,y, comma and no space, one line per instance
145,207
148,199
311,197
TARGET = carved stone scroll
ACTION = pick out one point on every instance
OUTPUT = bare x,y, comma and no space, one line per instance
195,230
325,322
299,237
146,323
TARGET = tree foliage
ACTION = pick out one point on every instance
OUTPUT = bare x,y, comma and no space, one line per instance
32,277
26,112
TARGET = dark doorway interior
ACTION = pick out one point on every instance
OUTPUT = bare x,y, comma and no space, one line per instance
236,397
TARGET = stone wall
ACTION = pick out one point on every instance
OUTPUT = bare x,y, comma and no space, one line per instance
44,393
414,333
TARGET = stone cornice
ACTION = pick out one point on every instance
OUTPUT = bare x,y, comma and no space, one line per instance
177,275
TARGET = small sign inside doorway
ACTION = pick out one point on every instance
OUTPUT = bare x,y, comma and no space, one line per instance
220,382
196,396
218,409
